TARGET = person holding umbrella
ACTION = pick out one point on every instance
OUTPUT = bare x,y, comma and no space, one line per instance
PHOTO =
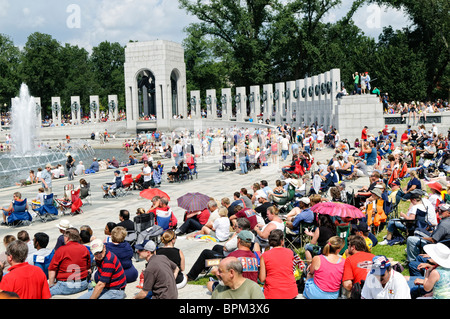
197,212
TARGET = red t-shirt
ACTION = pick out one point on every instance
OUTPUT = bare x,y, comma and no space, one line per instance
280,280
204,216
249,263
28,281
364,134
352,271
249,214
71,262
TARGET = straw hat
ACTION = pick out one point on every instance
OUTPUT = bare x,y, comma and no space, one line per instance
440,253
64,224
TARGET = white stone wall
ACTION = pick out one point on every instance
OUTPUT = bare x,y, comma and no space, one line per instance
161,58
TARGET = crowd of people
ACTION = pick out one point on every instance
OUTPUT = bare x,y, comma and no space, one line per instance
255,228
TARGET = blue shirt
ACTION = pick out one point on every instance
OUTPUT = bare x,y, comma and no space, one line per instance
305,216
94,166
372,157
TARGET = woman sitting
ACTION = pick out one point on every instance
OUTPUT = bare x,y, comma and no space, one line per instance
324,274
169,250
122,249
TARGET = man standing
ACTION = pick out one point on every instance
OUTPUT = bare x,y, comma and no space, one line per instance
68,270
364,134
236,286
110,280
27,281
159,275
147,173
46,179
284,147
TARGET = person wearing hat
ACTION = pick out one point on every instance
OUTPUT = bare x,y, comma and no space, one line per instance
116,182
70,165
437,279
436,194
159,274
383,282
244,253
264,204
110,280
46,179
299,215
63,225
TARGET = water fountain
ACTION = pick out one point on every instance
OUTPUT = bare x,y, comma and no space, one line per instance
27,152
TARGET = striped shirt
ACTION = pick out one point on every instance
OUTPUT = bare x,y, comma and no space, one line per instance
110,272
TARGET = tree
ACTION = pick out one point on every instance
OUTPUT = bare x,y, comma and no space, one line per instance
108,61
42,69
239,26
428,38
10,57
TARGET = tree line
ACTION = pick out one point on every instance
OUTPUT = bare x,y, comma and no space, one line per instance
51,69
251,42
255,42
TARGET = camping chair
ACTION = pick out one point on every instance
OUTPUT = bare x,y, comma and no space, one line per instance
47,209
72,206
228,163
20,215
297,240
85,194
67,190
344,233
128,181
43,262
285,204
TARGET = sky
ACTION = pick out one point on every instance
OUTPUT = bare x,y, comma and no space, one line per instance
87,23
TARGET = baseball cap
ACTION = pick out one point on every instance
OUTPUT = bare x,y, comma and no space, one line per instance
379,265
148,245
305,200
246,236
444,207
261,194
96,246
125,170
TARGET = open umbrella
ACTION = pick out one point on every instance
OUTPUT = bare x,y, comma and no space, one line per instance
337,209
152,192
193,202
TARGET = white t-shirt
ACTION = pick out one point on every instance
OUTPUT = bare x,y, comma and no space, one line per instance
147,170
423,205
284,144
320,136
222,228
396,288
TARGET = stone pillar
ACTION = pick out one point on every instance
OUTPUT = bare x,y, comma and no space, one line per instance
321,100
75,108
302,93
308,100
94,108
56,111
195,103
241,104
211,104
255,102
291,101
267,100
113,107
335,79
37,101
226,101
278,98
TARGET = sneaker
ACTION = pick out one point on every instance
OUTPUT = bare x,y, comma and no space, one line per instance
383,243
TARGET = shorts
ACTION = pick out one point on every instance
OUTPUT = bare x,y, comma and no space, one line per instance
313,292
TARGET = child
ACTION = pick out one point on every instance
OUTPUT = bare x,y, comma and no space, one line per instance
39,200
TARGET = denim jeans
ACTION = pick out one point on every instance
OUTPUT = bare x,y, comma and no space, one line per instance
105,294
413,245
243,163
68,287
412,265
395,224
284,154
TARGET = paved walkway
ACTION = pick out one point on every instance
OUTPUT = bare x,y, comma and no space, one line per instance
211,181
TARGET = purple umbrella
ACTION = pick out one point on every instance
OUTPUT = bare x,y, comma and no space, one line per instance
193,202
